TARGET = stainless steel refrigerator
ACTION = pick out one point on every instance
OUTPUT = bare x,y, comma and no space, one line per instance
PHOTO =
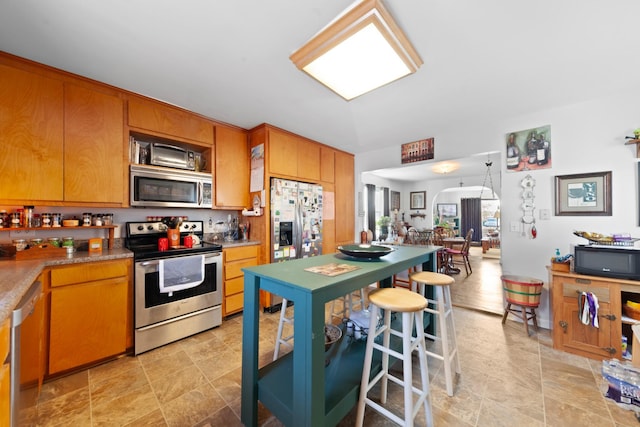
296,223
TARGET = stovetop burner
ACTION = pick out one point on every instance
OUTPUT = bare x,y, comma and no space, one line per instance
142,240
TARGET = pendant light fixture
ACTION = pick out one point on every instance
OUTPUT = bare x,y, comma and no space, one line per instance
360,50
488,164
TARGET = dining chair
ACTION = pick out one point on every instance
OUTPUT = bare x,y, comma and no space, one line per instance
461,256
437,239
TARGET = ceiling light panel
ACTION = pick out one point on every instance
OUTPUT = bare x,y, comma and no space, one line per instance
362,49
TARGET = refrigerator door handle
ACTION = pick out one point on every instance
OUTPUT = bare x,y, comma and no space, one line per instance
297,232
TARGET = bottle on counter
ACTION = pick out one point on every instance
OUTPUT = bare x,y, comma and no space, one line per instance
4,219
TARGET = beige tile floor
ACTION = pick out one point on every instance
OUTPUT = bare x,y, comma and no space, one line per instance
507,379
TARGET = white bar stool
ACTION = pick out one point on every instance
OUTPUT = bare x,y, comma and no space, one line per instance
411,305
280,340
444,311
348,305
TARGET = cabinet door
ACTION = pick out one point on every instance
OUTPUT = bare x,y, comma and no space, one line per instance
232,168
328,219
283,153
327,164
308,161
88,323
584,339
345,200
94,146
169,121
31,123
5,368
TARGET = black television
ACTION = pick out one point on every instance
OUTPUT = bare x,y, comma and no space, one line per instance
447,209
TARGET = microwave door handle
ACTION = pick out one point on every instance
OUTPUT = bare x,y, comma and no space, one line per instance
170,147
200,193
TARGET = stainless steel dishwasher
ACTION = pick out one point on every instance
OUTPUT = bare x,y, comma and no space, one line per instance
26,331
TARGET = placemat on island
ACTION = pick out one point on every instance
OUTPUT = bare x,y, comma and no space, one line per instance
332,269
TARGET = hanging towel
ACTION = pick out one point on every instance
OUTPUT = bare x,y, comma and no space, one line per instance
180,273
593,309
583,309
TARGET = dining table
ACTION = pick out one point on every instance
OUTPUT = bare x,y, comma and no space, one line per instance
309,386
451,243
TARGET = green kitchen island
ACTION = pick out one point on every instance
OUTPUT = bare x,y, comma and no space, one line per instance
298,388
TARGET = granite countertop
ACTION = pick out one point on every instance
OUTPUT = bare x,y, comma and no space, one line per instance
17,276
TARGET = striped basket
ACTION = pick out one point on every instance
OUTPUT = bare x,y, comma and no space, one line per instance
521,290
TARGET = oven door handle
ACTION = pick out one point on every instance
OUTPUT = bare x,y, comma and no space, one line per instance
157,261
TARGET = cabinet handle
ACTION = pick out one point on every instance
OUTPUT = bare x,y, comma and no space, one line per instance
583,281
609,316
610,350
563,325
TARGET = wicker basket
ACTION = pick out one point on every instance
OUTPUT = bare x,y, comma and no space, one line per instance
522,290
631,312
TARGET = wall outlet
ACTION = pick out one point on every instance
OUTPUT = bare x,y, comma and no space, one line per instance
22,234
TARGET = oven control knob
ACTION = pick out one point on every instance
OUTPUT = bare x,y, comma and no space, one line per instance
140,228
150,227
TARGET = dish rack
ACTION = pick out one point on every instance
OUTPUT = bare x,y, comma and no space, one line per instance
615,240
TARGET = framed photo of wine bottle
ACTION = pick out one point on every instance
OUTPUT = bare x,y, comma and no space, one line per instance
529,149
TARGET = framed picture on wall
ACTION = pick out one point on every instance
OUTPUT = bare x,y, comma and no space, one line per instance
417,200
394,203
584,194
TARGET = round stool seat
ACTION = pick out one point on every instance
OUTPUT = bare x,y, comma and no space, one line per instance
397,299
431,278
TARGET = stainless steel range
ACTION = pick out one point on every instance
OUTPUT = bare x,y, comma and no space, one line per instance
177,292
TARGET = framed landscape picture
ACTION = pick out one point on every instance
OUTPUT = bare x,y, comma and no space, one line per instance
417,200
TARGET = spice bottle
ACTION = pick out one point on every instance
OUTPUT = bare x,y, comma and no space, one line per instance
27,219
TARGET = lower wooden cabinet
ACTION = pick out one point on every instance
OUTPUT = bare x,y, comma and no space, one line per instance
573,336
235,259
90,313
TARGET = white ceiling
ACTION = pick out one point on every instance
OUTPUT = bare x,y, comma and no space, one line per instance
229,59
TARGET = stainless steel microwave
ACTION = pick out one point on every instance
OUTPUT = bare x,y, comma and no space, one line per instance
171,156
165,187
607,261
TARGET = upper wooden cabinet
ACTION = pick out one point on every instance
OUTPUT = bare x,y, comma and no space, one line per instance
31,136
327,164
292,155
94,146
231,168
164,120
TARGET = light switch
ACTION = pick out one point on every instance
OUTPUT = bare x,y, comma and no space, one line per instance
515,226
545,214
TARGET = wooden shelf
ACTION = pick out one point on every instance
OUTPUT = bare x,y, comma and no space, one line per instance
111,229
637,143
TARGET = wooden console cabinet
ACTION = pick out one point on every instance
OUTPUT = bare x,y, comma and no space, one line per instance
571,335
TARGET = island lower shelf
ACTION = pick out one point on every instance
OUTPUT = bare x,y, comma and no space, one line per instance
342,378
